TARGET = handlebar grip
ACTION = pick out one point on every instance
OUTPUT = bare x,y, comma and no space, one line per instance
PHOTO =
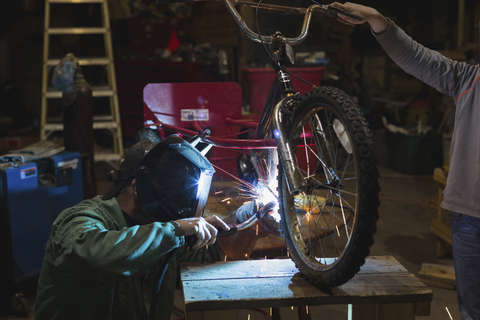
173,1
332,12
353,16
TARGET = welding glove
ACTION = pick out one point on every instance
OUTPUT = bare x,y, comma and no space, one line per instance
203,229
240,245
267,223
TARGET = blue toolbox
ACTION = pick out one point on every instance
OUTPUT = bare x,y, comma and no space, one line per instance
32,193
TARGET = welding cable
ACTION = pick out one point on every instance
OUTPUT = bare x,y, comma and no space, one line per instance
158,282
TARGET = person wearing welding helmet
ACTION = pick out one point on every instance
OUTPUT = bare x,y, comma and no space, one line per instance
104,254
459,81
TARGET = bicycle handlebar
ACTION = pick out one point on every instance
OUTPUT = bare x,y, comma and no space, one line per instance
172,1
230,5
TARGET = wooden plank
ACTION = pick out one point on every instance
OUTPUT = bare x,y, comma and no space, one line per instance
238,269
195,315
273,268
212,315
422,309
438,275
396,311
437,284
441,230
445,271
390,311
367,311
277,283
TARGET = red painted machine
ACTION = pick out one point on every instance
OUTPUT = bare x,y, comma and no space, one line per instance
190,108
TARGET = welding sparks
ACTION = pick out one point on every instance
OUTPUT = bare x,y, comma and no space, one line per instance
449,313
266,195
226,199
218,192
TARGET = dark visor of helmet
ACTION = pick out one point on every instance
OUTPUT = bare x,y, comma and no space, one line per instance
173,181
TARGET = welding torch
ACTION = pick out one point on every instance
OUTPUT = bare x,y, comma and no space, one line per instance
258,215
249,222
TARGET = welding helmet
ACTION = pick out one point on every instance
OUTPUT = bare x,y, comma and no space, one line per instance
128,167
173,180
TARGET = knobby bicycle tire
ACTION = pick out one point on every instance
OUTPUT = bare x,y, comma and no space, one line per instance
329,228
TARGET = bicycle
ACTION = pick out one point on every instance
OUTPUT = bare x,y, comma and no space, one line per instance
320,148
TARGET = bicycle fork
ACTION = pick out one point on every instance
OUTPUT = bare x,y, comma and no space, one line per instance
272,123
295,180
281,53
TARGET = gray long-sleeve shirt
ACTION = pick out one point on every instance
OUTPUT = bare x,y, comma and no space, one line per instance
459,81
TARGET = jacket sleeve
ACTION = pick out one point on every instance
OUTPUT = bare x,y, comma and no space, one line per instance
84,245
447,76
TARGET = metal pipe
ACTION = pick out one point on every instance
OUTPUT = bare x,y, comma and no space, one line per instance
247,223
220,142
271,7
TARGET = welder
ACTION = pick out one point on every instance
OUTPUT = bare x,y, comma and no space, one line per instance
104,254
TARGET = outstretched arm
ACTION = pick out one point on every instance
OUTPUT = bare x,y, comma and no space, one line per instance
377,21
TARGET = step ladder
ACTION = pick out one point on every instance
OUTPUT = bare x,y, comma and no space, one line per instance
109,122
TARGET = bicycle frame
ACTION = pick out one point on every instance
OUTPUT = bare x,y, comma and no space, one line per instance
271,124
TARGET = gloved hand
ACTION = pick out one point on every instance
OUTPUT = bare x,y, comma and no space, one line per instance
267,223
248,209
203,229
240,245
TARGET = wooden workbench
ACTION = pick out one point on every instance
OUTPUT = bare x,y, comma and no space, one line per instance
383,289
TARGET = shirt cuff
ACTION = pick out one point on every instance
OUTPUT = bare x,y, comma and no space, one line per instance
380,33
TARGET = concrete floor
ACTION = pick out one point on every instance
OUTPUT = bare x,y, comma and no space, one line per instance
403,232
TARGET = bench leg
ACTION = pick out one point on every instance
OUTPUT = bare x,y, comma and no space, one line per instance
389,311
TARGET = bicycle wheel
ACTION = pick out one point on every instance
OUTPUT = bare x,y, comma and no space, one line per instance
329,228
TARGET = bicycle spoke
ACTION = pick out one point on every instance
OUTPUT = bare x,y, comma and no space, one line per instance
325,203
323,222
344,220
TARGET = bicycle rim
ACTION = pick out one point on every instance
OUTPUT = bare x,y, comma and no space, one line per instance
329,228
